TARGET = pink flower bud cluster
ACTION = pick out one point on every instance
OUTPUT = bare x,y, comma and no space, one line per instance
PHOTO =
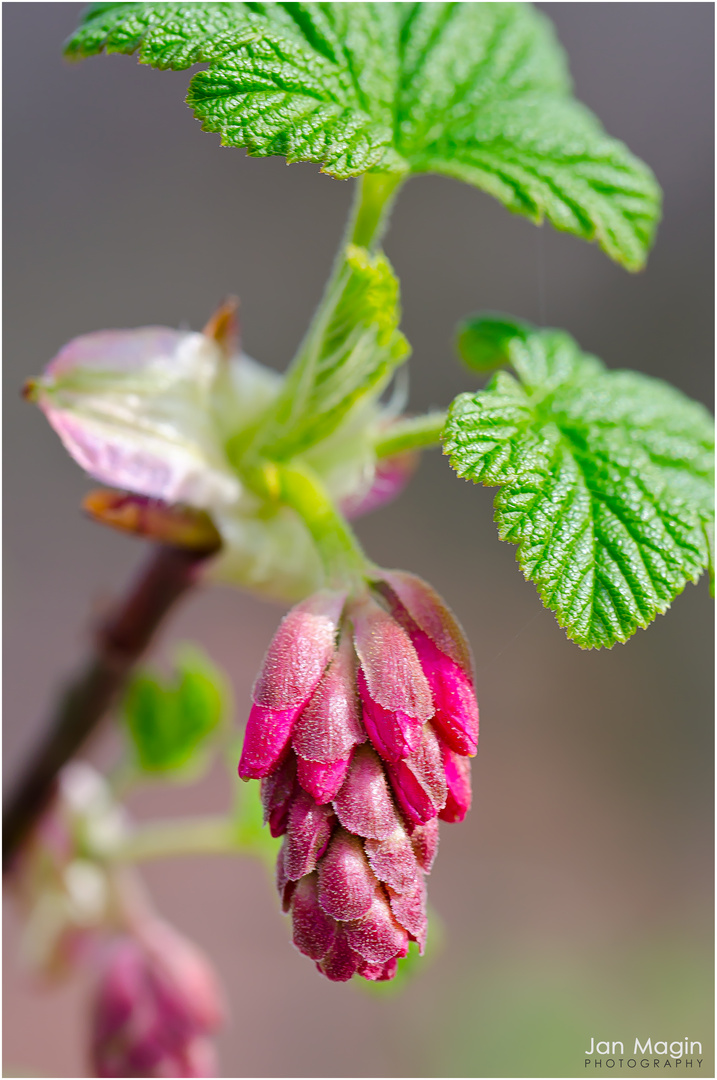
156,1003
363,721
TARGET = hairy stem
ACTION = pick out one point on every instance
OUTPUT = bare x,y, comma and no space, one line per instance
119,642
374,199
341,554
411,434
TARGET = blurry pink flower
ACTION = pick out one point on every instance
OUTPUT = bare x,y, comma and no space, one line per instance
156,1003
159,413
389,479
59,874
364,715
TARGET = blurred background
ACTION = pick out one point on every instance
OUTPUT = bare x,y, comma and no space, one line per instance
576,899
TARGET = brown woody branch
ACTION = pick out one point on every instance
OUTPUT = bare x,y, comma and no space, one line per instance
119,642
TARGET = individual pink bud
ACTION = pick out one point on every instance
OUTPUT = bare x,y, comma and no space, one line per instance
393,734
346,885
323,782
393,860
364,805
266,740
424,840
314,930
390,478
341,962
330,726
393,672
377,937
431,614
156,1001
284,885
409,908
276,793
419,782
456,715
308,831
458,779
379,972
299,654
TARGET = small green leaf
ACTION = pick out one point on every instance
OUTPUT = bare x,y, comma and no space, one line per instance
483,341
355,357
171,724
479,92
606,482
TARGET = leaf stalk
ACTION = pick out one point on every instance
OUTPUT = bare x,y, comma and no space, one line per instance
414,433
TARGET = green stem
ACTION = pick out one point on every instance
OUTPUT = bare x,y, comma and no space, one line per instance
181,836
411,434
341,554
375,194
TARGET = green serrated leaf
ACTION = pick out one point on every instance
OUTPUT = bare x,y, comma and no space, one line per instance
606,482
170,724
357,353
166,36
479,92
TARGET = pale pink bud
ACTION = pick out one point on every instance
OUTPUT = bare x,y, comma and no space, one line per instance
390,478
380,972
314,930
156,1002
131,408
341,963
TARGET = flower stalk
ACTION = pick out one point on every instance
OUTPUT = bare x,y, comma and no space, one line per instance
344,561
211,835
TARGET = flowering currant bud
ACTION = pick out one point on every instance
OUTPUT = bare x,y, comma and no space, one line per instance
364,717
156,1003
